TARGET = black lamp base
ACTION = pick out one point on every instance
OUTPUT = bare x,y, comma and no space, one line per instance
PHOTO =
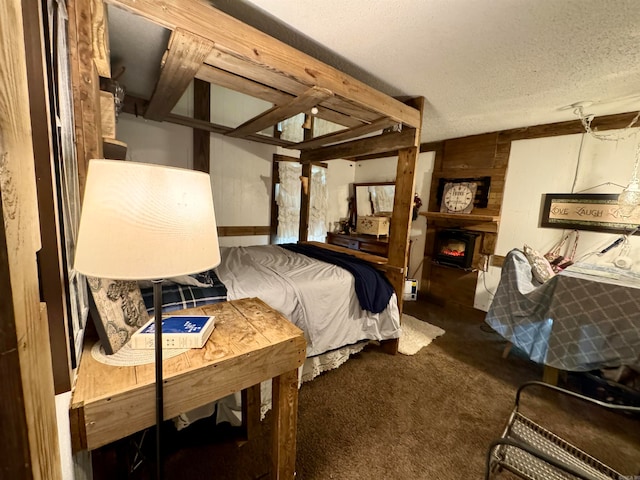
157,311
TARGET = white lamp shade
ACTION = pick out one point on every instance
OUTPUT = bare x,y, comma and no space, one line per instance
141,221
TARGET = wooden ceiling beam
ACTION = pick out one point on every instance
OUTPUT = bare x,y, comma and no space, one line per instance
259,73
303,103
183,59
137,106
343,135
365,146
215,128
243,41
255,89
100,38
241,84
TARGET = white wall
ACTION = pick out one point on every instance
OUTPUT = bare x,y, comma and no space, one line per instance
241,181
155,142
240,169
340,175
63,401
563,164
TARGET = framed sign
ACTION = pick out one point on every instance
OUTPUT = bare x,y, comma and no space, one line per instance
599,212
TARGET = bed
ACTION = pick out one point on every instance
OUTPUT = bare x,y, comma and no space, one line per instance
318,297
218,49
209,46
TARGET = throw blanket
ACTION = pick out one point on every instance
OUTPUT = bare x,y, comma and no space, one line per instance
372,287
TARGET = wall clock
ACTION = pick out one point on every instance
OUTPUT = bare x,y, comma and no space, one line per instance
457,197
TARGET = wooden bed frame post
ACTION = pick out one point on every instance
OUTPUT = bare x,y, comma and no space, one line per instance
401,219
305,196
305,204
85,84
201,138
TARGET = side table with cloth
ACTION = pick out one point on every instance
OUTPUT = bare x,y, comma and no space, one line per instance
574,321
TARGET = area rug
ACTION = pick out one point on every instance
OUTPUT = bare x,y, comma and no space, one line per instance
416,334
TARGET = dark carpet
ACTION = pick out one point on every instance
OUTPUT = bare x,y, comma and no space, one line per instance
427,416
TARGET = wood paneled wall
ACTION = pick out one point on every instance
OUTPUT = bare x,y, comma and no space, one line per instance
28,433
478,156
484,155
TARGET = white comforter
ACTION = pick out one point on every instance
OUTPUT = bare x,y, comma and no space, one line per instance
316,296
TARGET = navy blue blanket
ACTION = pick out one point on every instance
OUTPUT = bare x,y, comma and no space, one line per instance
372,287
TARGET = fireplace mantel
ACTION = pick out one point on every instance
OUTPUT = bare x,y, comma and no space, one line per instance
465,217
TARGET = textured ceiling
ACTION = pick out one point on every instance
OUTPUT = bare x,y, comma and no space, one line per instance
482,65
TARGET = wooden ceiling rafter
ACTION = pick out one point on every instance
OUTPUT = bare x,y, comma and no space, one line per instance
256,48
182,60
137,106
212,127
238,83
364,146
343,135
303,103
284,83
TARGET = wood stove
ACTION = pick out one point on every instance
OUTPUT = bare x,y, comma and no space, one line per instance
454,247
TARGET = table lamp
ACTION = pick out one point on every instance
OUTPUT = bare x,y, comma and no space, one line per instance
146,222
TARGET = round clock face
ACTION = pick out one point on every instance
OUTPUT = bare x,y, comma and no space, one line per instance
458,198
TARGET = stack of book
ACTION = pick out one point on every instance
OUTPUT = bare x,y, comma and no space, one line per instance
178,331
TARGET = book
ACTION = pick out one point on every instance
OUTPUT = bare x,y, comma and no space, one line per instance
178,331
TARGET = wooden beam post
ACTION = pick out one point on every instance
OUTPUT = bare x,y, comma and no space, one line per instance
275,179
379,143
182,61
27,405
401,219
201,137
305,194
50,259
100,37
85,86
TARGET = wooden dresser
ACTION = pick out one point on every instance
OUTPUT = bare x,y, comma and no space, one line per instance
360,242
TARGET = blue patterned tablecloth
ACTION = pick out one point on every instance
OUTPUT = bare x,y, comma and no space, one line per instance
572,322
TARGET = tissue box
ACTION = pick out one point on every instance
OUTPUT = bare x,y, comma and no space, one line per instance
372,225
410,289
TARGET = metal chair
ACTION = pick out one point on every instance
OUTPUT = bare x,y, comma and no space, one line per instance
532,452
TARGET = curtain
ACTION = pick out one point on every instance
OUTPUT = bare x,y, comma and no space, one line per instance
288,200
291,128
319,204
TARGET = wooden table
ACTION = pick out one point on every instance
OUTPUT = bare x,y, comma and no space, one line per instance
250,343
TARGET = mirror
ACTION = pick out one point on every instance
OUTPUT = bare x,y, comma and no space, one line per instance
374,198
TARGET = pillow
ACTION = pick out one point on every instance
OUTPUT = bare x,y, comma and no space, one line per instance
196,280
540,266
118,311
